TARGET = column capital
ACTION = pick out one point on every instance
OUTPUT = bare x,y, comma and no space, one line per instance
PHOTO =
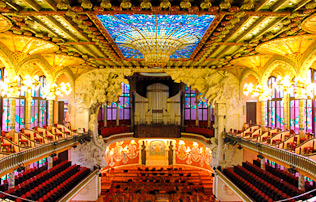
220,109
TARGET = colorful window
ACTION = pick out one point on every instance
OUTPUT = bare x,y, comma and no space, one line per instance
19,114
294,115
5,114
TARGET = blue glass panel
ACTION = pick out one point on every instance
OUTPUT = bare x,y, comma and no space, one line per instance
126,29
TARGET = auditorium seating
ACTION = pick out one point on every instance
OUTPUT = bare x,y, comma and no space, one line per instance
48,185
262,185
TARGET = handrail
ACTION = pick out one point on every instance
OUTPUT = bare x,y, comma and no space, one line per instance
14,160
300,162
78,187
234,188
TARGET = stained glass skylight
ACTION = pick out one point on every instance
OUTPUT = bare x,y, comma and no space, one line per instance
139,35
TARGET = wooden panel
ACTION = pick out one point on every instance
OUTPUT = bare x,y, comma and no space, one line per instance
61,112
251,112
148,131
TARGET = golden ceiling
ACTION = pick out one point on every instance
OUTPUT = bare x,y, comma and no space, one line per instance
243,35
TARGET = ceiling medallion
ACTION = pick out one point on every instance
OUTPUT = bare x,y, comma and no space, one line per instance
5,24
156,38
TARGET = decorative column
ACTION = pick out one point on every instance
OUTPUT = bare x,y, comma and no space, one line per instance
197,112
301,117
286,103
263,164
105,121
208,116
117,113
12,120
263,115
301,182
28,101
50,113
11,180
50,162
220,112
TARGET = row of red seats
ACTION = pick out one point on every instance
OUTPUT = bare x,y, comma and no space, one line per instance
50,185
261,184
285,175
23,176
273,180
207,132
247,187
105,132
34,181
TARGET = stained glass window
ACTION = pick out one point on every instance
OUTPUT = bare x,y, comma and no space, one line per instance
43,113
19,114
124,105
127,30
5,114
294,115
34,113
101,113
190,107
308,116
274,107
189,104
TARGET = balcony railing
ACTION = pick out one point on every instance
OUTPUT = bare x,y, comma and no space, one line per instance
299,162
14,160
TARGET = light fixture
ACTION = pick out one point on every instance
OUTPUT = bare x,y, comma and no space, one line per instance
255,91
57,90
14,86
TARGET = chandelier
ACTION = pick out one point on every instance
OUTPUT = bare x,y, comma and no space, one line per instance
14,86
50,93
156,38
298,87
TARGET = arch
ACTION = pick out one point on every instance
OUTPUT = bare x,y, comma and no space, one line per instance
246,73
271,66
308,59
66,71
7,60
40,62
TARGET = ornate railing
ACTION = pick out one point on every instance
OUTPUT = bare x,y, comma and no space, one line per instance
299,162
240,193
14,160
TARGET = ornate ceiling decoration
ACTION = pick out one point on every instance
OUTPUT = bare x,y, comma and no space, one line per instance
5,24
256,62
58,61
309,24
237,29
156,38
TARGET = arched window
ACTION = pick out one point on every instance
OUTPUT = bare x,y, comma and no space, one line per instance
20,108
5,112
204,113
39,106
124,108
275,106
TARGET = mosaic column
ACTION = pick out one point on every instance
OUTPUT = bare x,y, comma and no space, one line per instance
11,180
12,120
50,113
301,117
301,182
263,164
263,115
286,103
28,103
50,162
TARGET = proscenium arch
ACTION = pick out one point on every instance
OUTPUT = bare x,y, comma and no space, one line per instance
40,62
7,60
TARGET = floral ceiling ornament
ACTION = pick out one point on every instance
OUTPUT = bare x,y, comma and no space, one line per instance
206,4
145,4
248,5
165,4
106,4
86,4
185,4
63,4
225,5
126,4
